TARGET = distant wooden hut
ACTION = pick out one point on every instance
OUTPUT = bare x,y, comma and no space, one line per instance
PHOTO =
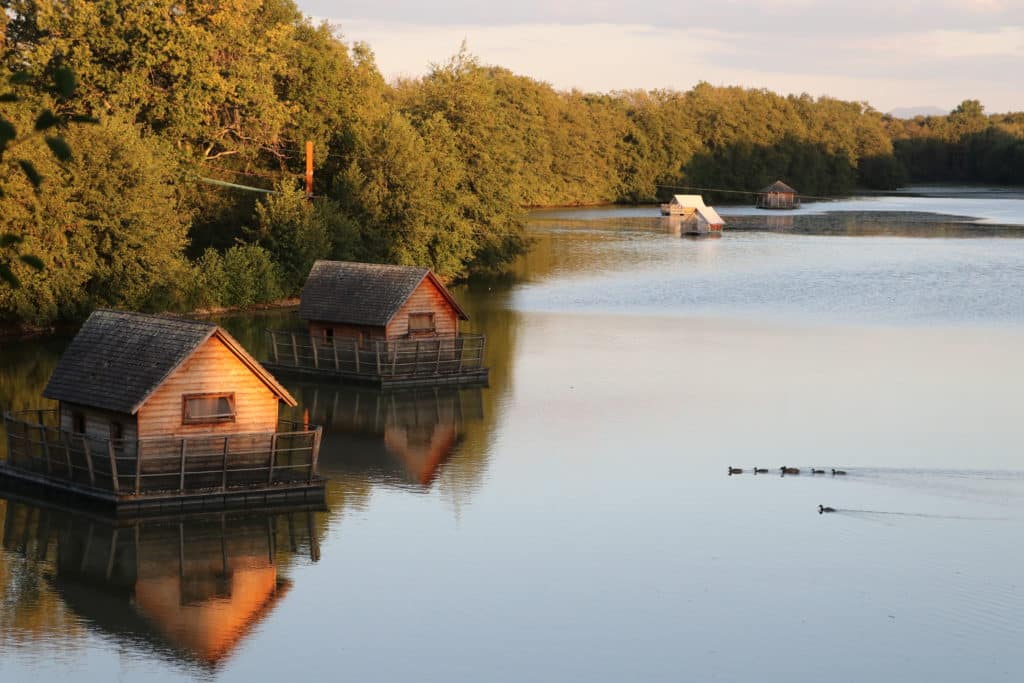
697,217
151,407
381,324
778,195
374,301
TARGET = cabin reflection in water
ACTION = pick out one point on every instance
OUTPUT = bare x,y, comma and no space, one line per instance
190,587
400,437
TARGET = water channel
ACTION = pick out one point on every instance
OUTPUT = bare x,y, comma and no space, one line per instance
574,521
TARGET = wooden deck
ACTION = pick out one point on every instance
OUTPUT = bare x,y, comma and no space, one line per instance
456,360
167,472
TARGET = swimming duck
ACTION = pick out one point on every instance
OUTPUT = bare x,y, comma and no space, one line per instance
789,470
735,470
822,509
835,472
760,470
814,471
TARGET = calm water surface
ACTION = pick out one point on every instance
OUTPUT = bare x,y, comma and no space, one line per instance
574,521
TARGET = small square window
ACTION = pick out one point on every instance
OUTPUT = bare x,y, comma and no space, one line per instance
421,322
78,423
208,408
116,431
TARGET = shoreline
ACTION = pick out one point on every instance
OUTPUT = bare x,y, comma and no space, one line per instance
22,332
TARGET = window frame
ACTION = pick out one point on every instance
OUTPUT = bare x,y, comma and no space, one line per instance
187,419
423,330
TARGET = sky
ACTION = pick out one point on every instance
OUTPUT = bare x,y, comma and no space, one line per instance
889,53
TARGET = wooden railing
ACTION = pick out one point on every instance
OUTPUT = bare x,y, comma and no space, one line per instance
392,359
160,465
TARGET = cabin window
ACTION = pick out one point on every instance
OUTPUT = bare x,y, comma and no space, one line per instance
208,408
421,322
328,334
116,431
78,423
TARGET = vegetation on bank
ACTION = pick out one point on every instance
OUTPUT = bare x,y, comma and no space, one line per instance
431,171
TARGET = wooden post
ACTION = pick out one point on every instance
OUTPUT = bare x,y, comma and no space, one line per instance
355,350
113,466
416,363
334,348
67,454
460,348
273,452
181,480
437,365
46,447
309,170
316,357
224,466
314,456
377,345
273,342
138,467
295,351
88,459
394,358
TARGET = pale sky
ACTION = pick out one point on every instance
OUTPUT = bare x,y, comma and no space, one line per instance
890,53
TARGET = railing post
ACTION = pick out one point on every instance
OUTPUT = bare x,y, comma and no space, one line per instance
334,348
67,455
113,465
483,343
316,356
394,358
273,343
460,348
46,446
314,456
377,346
88,460
181,473
437,365
355,350
224,466
138,467
273,453
295,351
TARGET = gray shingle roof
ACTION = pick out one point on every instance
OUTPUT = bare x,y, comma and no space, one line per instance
778,186
351,293
119,358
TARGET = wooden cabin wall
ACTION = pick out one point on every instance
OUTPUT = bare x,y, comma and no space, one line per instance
97,421
427,298
213,368
364,332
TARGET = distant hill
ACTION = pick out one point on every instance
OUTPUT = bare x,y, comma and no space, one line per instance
911,112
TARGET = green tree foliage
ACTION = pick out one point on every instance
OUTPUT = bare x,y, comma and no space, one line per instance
434,171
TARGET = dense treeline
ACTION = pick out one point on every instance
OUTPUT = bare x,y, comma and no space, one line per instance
433,171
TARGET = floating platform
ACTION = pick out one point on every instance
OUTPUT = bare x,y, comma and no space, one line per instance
165,473
437,361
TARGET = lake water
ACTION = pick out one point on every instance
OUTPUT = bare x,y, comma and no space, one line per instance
574,521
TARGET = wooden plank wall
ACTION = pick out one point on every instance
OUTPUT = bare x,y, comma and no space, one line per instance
97,421
427,298
213,368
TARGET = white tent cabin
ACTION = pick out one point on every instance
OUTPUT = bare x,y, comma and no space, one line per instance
700,218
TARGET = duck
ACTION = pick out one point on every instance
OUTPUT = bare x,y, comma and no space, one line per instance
789,470
735,470
822,509
814,471
760,470
835,472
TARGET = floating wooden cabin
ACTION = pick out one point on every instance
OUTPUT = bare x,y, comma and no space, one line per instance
191,586
778,195
379,324
697,218
165,411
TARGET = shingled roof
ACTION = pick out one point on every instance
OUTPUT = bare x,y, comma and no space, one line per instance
118,359
778,186
350,293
